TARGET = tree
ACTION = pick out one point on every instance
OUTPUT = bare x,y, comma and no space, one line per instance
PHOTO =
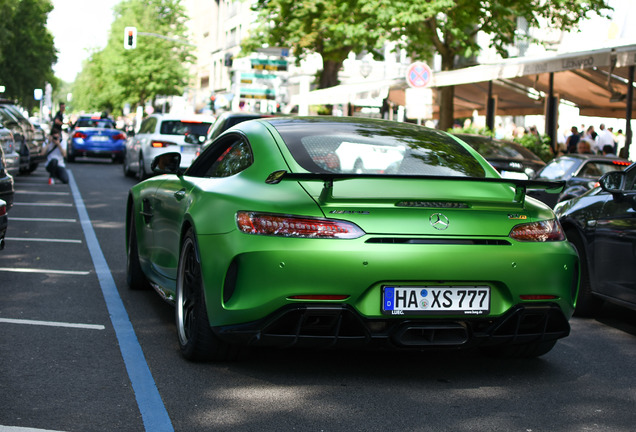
331,28
27,52
157,66
334,28
450,27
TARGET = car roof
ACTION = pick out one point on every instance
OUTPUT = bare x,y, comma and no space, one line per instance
187,117
586,156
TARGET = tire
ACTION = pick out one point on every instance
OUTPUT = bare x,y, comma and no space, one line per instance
197,340
70,154
528,350
587,304
134,274
127,171
141,172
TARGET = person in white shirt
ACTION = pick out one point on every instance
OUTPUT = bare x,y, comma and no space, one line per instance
55,152
604,138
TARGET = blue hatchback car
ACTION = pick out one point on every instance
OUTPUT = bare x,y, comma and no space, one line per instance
96,137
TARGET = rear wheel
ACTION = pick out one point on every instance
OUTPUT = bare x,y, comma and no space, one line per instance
141,172
587,304
126,166
197,340
134,274
70,153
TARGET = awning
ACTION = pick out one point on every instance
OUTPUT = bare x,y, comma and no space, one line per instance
594,81
370,93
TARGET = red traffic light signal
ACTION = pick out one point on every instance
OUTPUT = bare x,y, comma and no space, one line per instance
130,37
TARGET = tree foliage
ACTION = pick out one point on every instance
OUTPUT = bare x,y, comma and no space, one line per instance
27,52
158,66
449,27
331,28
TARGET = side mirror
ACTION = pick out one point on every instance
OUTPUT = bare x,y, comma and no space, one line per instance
166,163
613,182
194,138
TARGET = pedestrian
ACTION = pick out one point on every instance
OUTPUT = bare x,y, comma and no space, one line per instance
584,146
572,141
58,120
605,137
608,150
620,143
55,152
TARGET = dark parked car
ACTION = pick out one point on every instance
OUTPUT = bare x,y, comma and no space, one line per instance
580,172
601,224
512,160
4,220
6,182
229,119
28,138
97,137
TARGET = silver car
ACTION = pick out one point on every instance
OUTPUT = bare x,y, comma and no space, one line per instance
164,133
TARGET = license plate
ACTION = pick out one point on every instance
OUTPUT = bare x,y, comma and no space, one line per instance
187,149
426,300
100,138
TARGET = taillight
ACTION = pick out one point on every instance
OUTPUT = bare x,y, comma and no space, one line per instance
295,226
119,136
543,231
621,163
81,135
159,144
3,209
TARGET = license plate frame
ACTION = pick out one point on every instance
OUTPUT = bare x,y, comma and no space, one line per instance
436,299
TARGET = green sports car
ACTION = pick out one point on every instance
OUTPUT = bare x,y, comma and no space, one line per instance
330,232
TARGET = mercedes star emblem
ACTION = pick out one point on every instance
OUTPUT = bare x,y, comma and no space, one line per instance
439,221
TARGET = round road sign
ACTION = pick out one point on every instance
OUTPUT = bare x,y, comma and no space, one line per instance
418,75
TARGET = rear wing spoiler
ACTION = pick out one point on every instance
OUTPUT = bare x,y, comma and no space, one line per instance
521,186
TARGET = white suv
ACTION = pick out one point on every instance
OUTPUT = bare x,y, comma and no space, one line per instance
163,133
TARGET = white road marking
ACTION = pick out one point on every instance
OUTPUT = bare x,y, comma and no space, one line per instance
52,324
18,192
41,219
23,429
42,240
43,204
27,270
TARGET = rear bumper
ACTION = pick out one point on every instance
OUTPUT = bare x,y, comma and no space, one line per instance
341,326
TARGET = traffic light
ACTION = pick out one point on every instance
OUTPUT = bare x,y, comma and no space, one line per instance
130,37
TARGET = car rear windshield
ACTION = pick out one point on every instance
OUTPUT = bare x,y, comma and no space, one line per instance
96,123
375,147
182,127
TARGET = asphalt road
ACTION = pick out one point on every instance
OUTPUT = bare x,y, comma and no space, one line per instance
70,332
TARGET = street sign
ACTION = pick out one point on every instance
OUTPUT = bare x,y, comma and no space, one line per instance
418,75
269,65
37,94
419,103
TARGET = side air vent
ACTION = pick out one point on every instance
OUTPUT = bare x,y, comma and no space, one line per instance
402,240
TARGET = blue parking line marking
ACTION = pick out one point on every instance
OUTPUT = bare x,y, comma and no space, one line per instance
153,411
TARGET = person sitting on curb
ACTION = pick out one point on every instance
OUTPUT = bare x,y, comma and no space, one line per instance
55,152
